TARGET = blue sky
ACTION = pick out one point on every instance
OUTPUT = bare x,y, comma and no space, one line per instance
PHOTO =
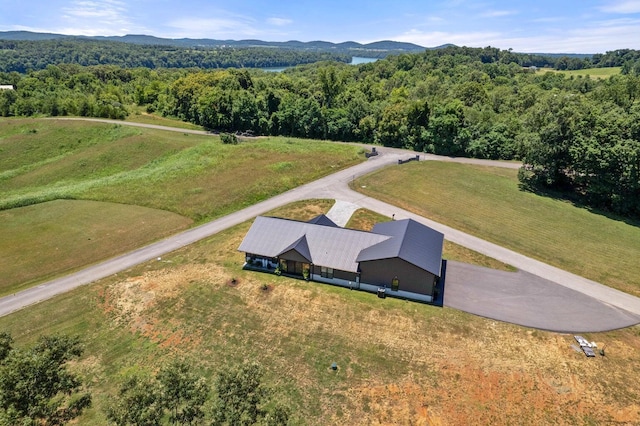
587,26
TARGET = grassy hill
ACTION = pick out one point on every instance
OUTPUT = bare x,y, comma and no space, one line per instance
194,176
398,362
487,202
597,73
146,184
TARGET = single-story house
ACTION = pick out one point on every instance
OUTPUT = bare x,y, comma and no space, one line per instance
401,258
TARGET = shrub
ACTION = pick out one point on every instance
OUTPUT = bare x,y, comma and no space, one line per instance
229,138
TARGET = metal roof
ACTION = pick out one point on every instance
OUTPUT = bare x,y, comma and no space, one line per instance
412,241
342,248
323,220
335,248
301,247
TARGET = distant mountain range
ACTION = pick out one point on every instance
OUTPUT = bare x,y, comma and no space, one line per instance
378,46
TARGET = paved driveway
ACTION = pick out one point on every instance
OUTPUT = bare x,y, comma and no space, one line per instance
526,299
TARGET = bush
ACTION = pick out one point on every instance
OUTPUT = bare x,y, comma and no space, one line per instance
229,138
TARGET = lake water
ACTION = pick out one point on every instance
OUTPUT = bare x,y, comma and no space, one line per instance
355,60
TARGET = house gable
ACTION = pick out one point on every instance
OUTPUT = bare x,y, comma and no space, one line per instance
411,241
328,246
323,220
298,251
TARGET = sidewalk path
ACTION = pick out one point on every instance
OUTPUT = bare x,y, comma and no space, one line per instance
341,212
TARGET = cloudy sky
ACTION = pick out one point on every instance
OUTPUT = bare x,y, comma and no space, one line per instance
567,26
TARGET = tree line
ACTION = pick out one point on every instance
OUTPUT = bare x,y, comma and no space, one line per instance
575,135
23,55
39,387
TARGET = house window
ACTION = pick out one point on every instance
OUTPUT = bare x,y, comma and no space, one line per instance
395,284
326,272
283,265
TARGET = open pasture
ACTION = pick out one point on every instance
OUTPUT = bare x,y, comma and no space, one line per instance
144,184
398,362
597,73
486,202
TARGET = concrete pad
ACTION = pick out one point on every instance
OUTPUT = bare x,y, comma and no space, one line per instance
341,212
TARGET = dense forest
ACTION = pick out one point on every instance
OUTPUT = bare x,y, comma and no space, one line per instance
23,56
575,135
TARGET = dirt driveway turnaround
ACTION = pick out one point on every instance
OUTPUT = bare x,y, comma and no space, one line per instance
526,299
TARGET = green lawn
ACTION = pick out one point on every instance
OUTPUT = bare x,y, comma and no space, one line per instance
179,178
397,360
139,115
194,176
598,73
57,237
486,202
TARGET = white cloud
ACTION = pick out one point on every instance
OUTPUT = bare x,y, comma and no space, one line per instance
88,17
232,27
96,9
624,7
594,37
279,22
497,13
437,38
548,20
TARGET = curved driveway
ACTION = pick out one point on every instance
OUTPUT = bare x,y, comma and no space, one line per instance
539,296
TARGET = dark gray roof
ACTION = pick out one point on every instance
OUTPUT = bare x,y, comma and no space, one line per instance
413,242
342,248
323,220
332,247
301,246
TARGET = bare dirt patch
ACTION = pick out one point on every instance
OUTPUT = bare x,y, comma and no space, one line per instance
445,368
400,363
132,302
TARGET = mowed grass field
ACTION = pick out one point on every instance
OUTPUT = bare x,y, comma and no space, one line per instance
139,115
597,73
45,240
194,176
146,184
398,362
486,202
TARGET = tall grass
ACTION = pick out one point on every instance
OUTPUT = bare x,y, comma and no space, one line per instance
194,176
